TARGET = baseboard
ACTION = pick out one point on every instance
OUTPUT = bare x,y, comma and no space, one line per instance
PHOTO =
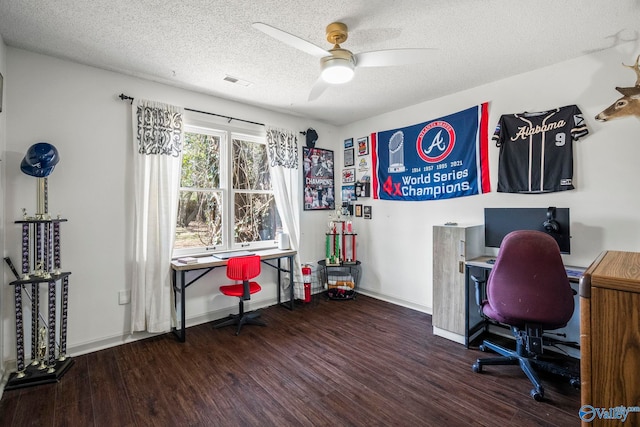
91,346
448,335
396,301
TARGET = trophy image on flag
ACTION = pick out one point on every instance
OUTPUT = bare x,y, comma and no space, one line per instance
396,153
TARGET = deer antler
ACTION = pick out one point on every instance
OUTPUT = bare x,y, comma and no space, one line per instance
635,68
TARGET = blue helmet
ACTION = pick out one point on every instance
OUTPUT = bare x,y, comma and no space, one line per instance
40,160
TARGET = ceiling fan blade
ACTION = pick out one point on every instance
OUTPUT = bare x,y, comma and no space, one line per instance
391,57
291,40
317,89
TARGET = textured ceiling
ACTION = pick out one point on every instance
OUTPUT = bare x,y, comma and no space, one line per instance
194,44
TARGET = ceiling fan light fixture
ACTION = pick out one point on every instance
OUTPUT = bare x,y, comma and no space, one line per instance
338,68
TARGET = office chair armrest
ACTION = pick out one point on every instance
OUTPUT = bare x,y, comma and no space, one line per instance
479,283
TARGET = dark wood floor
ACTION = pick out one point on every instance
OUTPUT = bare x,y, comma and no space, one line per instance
328,363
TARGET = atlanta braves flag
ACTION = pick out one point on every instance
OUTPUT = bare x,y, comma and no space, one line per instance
440,159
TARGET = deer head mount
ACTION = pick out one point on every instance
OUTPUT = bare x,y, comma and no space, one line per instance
629,104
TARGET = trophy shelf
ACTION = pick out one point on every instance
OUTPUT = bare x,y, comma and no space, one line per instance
46,288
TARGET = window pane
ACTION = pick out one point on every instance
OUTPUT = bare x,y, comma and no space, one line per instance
200,161
199,219
250,166
256,217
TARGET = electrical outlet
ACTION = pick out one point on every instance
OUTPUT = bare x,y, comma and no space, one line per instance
124,297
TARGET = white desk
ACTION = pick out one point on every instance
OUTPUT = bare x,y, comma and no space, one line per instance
206,264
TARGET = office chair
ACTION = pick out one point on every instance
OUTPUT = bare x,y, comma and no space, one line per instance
244,269
528,290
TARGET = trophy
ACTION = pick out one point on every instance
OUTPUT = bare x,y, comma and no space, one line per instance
42,348
41,270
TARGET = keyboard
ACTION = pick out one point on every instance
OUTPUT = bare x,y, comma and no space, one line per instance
227,255
574,274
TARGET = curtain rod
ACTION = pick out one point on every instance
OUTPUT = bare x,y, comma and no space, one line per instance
129,98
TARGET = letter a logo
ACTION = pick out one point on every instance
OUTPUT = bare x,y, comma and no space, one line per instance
442,137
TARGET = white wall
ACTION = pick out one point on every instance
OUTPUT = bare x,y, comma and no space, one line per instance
396,245
76,108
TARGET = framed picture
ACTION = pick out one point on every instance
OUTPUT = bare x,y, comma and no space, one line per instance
348,193
359,210
363,146
318,181
348,157
348,143
366,212
348,175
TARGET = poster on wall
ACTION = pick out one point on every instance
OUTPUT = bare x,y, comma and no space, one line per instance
438,159
348,175
319,191
363,146
348,157
348,193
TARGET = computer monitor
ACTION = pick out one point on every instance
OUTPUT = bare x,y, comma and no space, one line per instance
498,222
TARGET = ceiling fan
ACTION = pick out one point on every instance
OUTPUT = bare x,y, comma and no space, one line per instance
337,65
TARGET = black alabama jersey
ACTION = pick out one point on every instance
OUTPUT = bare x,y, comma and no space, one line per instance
536,150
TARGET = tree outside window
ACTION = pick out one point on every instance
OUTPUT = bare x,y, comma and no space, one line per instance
226,198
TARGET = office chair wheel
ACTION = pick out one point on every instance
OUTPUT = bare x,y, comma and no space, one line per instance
477,368
575,383
538,395
482,347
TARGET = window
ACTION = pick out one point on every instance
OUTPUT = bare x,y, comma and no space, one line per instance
226,199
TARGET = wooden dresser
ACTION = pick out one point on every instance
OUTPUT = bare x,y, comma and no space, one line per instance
610,337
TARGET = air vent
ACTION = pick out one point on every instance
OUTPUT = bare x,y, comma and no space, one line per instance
237,81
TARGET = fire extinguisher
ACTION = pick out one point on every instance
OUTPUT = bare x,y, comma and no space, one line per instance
306,278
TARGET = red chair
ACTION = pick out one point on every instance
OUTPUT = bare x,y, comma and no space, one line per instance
244,269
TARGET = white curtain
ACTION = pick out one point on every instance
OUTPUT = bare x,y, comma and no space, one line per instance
282,148
157,140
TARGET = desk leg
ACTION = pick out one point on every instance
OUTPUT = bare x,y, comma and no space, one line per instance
291,281
466,307
475,323
179,287
290,271
279,284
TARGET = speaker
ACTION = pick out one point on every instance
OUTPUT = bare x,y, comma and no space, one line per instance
551,225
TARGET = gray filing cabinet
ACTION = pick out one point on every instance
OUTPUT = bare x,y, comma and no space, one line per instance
453,245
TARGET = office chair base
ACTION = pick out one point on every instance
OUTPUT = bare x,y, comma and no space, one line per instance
240,320
527,364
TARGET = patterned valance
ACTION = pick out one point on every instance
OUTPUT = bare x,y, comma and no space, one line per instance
282,148
159,128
